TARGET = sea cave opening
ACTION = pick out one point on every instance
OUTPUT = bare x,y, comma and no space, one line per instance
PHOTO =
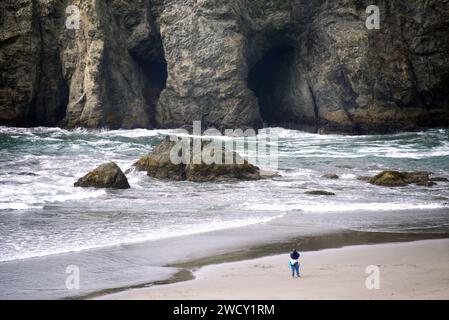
155,73
270,81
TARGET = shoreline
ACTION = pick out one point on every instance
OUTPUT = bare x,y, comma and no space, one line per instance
150,264
415,269
311,243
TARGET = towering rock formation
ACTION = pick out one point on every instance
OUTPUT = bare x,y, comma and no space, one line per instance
311,65
104,74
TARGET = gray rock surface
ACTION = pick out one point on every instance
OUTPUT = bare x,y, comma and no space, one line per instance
96,76
108,175
158,164
311,65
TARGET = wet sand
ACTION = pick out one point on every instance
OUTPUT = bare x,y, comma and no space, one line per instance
410,270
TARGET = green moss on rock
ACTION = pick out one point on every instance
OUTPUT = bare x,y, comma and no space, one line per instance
401,179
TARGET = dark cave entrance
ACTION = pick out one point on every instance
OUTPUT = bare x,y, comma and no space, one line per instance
155,73
269,79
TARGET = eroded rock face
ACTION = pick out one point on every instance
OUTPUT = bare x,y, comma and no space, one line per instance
32,88
108,175
97,76
311,65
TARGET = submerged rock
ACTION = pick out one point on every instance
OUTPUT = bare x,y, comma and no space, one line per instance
345,166
158,164
108,175
426,183
330,176
401,179
364,178
320,193
440,198
439,179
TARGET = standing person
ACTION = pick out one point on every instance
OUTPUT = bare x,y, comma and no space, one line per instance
294,263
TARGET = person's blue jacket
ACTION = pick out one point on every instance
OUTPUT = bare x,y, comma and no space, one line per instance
294,255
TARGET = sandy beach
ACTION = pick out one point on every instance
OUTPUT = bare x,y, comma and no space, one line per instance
412,270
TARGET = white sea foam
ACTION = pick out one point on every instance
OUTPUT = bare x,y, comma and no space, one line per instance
18,206
136,133
38,195
342,207
97,241
78,195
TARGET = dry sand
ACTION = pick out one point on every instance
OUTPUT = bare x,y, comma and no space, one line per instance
413,270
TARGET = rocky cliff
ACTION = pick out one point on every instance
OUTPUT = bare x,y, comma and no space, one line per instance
311,65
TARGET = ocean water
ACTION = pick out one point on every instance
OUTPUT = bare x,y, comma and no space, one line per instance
43,215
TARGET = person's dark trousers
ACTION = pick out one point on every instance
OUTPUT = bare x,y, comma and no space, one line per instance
295,267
